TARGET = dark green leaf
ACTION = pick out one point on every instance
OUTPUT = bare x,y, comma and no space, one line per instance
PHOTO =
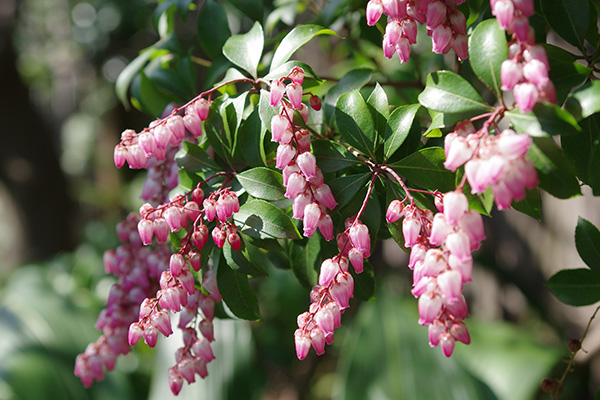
285,69
565,73
240,261
425,169
245,50
579,149
448,92
250,139
487,51
442,120
568,18
332,156
250,8
587,241
263,220
304,260
146,97
354,79
193,158
168,80
346,188
355,122
262,183
364,283
545,120
531,205
213,28
265,244
575,287
554,170
594,166
236,293
380,108
214,128
398,128
299,36
585,101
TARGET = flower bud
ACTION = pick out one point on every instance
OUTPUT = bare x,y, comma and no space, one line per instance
395,211
314,102
374,11
277,89
294,94
312,213
308,164
285,154
436,14
526,95
430,306
201,107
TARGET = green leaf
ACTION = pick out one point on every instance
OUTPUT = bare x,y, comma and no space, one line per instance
568,18
236,293
215,129
213,28
285,69
545,120
263,220
355,122
129,72
240,261
426,170
245,50
304,260
565,73
487,51
587,241
594,165
354,79
531,205
298,37
442,120
332,156
380,108
585,101
448,92
575,287
250,8
193,158
580,148
167,80
346,187
364,283
262,183
398,128
146,97
250,136
554,170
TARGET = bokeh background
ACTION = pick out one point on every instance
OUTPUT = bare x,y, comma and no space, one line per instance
61,196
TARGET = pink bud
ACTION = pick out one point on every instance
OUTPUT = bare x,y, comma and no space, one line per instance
296,185
193,124
207,306
177,264
303,344
510,74
202,349
436,14
537,73
279,124
436,330
394,9
294,94
172,216
234,240
395,211
458,152
202,106
303,140
447,343
520,27
409,30
277,89
326,226
285,154
120,155
135,333
219,236
458,22
175,383
315,102
308,164
434,263
324,319
297,75
458,244
440,229
303,111
162,322
472,224
147,143
374,11
210,208
150,335
526,95
324,196
417,11
388,49
450,283
458,308
512,145
502,196
403,50
504,12
289,170
536,53
440,38
411,229
329,269
393,32
146,230
207,330
417,253
357,259
286,137
177,127
161,229
459,45
359,236
342,290
317,338
430,306
455,205
312,213
298,205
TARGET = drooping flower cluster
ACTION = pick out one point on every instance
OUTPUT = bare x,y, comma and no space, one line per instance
331,296
137,269
301,176
441,261
445,24
525,72
496,161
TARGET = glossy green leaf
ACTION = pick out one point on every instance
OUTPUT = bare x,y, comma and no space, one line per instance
346,188
168,80
298,37
565,73
237,294
215,131
545,120
129,72
554,170
426,170
250,139
245,50
442,120
266,111
262,220
193,158
332,156
580,148
262,183
487,51
355,122
380,108
304,261
575,287
240,261
213,28
353,80
531,205
594,165
448,92
250,8
585,101
568,18
398,128
587,241
285,69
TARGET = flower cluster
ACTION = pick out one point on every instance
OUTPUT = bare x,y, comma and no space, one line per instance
525,72
301,176
445,24
496,161
441,261
331,296
137,269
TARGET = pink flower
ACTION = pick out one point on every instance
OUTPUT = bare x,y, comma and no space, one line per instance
294,93
504,11
436,13
510,74
374,11
277,90
526,95
440,38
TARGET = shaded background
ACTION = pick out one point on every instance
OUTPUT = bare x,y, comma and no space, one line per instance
61,196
